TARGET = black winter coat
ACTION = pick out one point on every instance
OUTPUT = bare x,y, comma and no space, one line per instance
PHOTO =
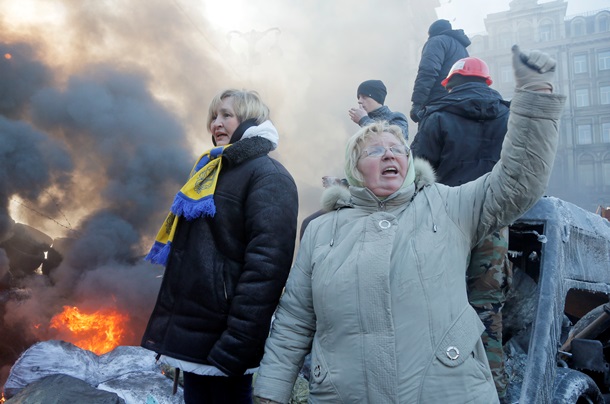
225,274
440,52
463,133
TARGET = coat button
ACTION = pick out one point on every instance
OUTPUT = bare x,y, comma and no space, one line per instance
317,371
385,224
453,353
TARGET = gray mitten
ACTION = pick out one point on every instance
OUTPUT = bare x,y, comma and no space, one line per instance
534,70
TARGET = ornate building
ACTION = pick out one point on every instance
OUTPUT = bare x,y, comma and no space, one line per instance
581,45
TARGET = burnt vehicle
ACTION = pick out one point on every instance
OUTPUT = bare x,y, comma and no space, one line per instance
25,252
557,315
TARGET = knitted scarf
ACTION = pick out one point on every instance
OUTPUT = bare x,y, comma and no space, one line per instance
195,199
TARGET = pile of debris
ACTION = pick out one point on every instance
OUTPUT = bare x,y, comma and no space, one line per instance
52,369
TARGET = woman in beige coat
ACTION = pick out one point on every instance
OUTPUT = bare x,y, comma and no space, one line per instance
378,292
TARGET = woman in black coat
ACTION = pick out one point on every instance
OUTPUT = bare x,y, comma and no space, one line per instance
227,244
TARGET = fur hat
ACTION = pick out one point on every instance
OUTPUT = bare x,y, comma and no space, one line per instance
438,27
374,89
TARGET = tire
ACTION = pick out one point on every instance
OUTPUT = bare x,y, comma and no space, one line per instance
574,387
588,319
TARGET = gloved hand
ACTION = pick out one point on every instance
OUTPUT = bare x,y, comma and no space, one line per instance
534,70
414,114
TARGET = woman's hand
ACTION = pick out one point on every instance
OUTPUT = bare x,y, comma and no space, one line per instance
534,70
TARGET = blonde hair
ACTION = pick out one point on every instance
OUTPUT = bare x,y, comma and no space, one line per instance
246,104
355,146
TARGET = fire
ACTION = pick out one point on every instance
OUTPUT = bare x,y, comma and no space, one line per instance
99,332
7,56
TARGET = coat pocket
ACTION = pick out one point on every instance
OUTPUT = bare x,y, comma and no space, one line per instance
459,341
321,388
319,369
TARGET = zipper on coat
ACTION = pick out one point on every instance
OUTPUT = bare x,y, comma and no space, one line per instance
382,206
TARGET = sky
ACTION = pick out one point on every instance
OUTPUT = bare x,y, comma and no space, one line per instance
470,14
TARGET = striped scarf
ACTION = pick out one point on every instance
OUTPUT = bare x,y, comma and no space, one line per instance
195,199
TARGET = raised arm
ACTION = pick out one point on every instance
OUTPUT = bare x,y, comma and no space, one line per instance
520,178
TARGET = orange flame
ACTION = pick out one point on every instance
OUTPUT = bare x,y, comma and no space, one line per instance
7,56
99,332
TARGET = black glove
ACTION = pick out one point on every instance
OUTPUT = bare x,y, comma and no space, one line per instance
534,70
414,114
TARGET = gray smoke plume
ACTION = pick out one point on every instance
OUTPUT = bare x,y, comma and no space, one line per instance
101,145
31,162
104,113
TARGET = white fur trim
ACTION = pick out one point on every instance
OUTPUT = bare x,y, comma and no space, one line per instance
265,130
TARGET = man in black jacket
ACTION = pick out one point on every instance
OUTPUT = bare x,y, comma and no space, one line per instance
461,135
371,97
443,48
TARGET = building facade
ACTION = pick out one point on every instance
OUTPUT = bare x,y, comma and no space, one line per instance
581,46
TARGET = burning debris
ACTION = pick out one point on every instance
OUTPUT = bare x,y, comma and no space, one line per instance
98,332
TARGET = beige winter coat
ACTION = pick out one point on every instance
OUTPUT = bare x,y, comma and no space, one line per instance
378,290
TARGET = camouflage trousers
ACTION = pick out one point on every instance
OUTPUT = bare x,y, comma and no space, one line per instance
488,278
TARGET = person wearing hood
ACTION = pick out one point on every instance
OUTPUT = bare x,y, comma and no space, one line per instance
377,291
443,48
227,247
371,97
461,136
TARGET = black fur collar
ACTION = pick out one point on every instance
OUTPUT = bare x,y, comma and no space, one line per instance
247,149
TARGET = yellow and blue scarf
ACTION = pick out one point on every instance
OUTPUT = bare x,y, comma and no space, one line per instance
195,199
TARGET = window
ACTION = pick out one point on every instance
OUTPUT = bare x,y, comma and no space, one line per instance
603,24
585,135
546,31
580,64
582,97
505,39
606,132
604,95
525,33
603,60
506,74
578,27
586,171
478,45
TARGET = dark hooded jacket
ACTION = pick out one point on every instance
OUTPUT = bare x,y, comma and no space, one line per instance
462,133
440,52
225,273
384,113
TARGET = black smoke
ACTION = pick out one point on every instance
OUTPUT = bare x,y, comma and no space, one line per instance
100,154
